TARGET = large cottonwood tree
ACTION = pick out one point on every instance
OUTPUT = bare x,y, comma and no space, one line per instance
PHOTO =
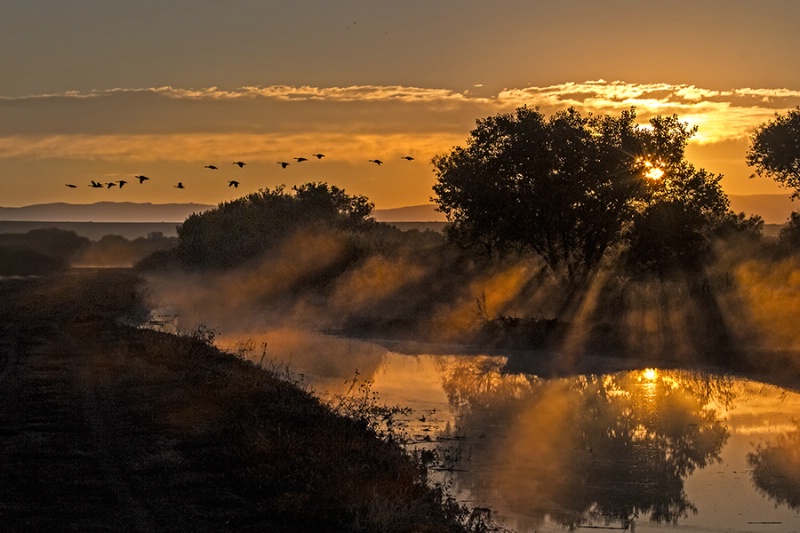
569,187
775,150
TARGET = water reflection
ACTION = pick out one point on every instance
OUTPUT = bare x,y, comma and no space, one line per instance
776,468
588,449
620,450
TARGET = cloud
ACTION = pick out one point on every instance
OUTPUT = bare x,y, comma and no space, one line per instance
361,93
341,147
720,115
183,124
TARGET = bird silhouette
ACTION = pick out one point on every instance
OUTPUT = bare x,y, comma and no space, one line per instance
96,185
240,163
234,184
213,167
318,156
111,184
283,164
300,159
121,183
141,179
376,161
179,185
71,186
407,158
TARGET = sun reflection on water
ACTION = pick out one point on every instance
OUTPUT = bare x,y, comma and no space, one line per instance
649,374
620,449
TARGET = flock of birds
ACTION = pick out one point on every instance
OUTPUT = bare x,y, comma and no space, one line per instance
231,183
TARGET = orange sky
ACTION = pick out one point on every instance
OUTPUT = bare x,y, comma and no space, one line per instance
107,90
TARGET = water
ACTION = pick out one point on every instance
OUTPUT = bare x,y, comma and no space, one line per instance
642,450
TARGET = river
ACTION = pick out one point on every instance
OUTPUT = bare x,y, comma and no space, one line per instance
645,449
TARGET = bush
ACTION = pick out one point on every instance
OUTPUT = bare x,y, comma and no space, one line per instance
245,228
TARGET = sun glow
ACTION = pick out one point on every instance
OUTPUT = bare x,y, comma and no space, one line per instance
652,171
649,374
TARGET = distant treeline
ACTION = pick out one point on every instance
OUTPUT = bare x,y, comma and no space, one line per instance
94,230
272,221
48,250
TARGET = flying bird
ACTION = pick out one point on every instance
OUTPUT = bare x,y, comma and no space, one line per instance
318,156
240,163
376,161
234,184
121,183
179,185
141,179
407,158
111,184
213,167
71,186
283,164
96,185
300,159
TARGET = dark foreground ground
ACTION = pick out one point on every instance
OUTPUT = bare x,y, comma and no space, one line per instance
107,427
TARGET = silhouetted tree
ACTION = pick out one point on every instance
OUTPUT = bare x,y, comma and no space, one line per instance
775,150
15,261
40,251
672,230
739,225
568,187
114,250
789,236
244,228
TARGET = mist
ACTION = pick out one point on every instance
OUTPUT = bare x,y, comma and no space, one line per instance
738,312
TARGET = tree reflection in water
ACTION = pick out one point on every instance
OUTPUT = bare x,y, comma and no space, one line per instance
776,469
586,449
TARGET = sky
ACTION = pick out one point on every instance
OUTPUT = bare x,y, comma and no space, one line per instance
106,90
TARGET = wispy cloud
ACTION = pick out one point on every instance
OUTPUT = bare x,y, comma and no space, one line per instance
173,132
720,115
168,123
361,93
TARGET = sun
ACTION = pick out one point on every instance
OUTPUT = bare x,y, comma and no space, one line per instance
654,173
652,170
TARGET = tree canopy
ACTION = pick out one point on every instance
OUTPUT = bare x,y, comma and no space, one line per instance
568,187
244,228
775,150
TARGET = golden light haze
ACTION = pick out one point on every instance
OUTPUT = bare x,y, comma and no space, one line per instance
170,134
107,90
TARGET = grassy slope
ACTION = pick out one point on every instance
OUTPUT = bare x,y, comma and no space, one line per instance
109,427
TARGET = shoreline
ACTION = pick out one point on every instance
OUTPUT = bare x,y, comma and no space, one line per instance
135,430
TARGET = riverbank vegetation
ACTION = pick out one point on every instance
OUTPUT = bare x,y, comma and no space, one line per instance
117,427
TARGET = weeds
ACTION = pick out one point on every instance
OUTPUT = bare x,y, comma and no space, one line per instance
361,404
203,334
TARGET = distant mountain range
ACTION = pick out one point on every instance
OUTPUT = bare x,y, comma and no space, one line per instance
773,208
102,212
147,212
414,213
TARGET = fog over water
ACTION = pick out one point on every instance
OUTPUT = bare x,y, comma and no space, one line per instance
643,449
628,423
